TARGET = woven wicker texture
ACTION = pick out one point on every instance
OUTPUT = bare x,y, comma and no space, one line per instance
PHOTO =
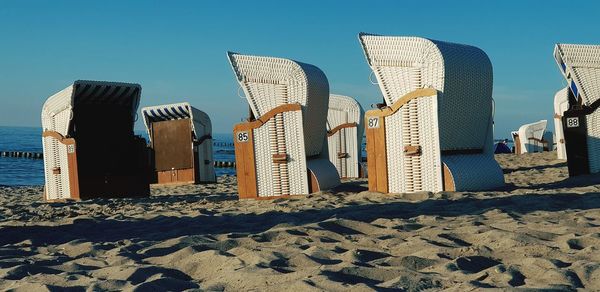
326,174
463,75
55,155
593,141
459,117
57,115
342,110
580,64
269,82
275,179
465,168
418,127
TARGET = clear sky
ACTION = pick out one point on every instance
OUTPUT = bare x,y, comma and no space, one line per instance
176,49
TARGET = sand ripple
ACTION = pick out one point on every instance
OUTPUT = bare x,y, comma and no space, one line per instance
541,231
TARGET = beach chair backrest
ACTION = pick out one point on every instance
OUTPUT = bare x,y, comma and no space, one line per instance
200,122
534,130
580,64
461,73
197,132
269,82
343,110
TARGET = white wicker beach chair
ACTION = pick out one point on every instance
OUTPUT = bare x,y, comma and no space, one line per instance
344,134
181,140
561,104
90,149
580,65
282,149
434,130
530,138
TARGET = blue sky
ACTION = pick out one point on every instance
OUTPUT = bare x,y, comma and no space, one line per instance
176,49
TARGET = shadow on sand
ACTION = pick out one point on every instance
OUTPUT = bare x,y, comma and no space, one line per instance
165,227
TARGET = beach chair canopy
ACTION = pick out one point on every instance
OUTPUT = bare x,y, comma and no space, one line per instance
270,82
461,74
83,96
345,110
201,125
580,65
90,148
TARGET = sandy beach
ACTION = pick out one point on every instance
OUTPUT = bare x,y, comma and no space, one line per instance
541,231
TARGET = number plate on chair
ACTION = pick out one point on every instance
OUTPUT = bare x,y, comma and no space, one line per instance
373,123
573,122
71,148
242,137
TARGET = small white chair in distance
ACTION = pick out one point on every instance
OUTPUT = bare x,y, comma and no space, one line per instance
530,138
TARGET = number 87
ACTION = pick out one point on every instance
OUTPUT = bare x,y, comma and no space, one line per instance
373,123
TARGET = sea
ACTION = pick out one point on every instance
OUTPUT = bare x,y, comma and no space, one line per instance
28,171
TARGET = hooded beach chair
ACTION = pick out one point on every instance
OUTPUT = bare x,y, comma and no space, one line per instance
434,130
282,149
561,104
530,138
90,149
580,65
344,135
181,143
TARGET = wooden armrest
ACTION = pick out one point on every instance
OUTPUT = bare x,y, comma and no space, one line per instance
280,158
389,110
58,136
537,140
53,134
410,150
288,107
338,128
